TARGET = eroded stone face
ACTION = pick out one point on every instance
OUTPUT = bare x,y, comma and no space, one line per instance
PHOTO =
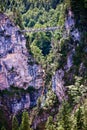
70,26
58,85
14,59
3,77
15,70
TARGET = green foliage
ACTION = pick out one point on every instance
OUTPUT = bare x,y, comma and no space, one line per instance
25,124
51,100
2,5
67,119
79,119
68,3
77,90
17,18
40,43
85,113
37,54
43,42
81,116
60,128
50,50
46,46
64,120
49,124
15,123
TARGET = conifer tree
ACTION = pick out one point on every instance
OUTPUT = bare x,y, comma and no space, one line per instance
64,117
50,125
14,123
85,114
2,5
17,17
25,125
60,128
79,119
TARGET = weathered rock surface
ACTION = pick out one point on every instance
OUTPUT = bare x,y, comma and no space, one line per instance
75,35
70,26
58,85
58,80
14,68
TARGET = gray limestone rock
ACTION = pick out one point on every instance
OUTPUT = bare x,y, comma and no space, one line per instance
14,59
58,85
15,69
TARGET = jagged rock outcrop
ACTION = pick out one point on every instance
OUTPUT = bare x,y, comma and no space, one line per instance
58,85
15,103
58,80
14,68
74,34
70,26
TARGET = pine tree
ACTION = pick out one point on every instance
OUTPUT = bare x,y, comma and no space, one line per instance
25,125
17,17
1,6
50,125
60,128
85,114
79,119
14,123
64,117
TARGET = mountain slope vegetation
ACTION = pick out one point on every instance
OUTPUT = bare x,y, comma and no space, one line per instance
52,50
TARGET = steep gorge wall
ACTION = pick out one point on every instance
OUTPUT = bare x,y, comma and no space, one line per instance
66,74
14,68
14,58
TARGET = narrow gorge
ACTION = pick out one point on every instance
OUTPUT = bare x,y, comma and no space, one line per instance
42,71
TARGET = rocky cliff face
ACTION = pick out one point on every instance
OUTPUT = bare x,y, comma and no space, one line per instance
59,79
14,68
58,84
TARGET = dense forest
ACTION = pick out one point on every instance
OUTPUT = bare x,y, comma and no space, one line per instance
50,49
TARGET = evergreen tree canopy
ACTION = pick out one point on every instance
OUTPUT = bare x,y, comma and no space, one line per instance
25,124
14,123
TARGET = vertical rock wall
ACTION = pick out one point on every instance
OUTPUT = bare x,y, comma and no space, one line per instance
58,81
14,68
